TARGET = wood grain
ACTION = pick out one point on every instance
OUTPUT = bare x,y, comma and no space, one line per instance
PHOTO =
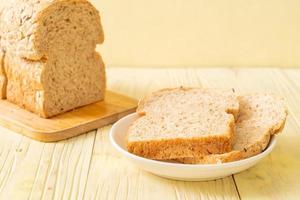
49,170
68,124
87,167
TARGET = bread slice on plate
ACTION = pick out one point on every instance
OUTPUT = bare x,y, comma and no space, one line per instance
184,122
260,117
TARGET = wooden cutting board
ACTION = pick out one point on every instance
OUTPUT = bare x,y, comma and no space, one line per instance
69,124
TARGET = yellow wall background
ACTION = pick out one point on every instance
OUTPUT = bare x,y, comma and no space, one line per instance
176,33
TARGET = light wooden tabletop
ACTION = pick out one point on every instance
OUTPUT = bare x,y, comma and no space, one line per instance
87,167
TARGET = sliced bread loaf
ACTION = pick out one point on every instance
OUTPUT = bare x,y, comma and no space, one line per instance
183,122
50,62
260,116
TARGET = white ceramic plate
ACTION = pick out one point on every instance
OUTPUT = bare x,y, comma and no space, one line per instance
178,171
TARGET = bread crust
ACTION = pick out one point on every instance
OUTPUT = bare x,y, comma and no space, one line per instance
213,158
163,149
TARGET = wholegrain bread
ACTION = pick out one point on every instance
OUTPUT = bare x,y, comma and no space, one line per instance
260,117
49,60
184,122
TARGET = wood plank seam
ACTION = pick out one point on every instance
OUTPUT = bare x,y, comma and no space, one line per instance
282,87
47,177
37,172
59,168
236,187
290,85
2,184
88,174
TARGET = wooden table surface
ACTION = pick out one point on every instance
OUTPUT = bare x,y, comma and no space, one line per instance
87,167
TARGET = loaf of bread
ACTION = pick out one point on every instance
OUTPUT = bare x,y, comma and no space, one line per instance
49,63
260,117
184,122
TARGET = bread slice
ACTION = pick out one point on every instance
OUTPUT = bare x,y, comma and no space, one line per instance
260,117
183,122
50,62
